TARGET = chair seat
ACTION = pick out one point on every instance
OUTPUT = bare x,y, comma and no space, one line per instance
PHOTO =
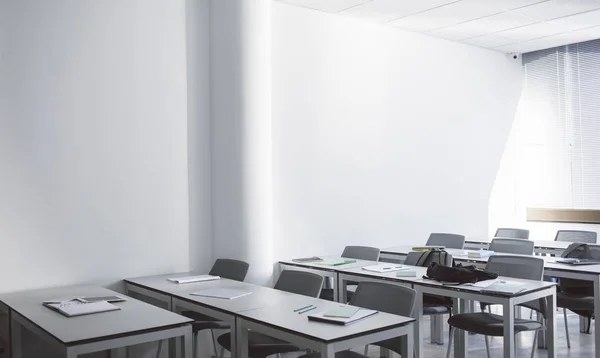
489,324
260,345
341,354
574,302
435,310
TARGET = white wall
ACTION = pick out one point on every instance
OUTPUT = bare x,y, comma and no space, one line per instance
93,141
380,136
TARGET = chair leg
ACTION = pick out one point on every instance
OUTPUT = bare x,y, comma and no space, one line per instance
567,328
535,338
589,325
487,346
214,341
195,344
158,349
450,341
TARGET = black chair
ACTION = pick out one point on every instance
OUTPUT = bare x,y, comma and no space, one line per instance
353,252
226,268
512,233
488,324
588,237
261,345
450,241
577,295
384,297
512,246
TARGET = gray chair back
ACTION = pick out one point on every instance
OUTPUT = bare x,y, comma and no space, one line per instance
412,258
231,269
512,246
451,241
361,253
588,237
300,282
385,297
512,233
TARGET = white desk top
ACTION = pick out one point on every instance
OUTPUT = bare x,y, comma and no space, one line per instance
283,317
260,297
135,316
317,266
538,244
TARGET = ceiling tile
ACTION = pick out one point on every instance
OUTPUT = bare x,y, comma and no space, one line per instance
484,26
579,21
326,5
558,8
540,29
388,10
554,41
489,41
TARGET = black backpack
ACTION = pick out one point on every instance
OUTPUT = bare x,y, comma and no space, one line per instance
577,287
458,274
439,256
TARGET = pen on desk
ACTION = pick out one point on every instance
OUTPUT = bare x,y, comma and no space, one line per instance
306,310
302,308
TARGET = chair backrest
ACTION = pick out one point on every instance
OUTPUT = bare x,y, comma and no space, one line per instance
231,269
300,282
451,241
528,268
588,237
512,233
361,253
412,258
512,246
385,297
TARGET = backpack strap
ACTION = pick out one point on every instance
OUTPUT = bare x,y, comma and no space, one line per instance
423,258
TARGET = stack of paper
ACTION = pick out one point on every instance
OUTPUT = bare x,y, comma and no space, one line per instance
221,292
478,254
384,268
190,279
336,262
504,287
327,317
77,307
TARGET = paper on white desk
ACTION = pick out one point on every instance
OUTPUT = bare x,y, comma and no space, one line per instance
190,279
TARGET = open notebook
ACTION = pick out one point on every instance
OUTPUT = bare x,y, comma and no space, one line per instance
190,279
221,292
77,307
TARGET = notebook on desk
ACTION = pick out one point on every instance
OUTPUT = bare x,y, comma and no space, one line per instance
504,287
190,279
221,292
571,261
336,262
77,307
382,268
359,315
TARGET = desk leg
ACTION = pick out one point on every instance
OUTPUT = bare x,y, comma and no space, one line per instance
418,328
508,311
437,329
239,340
342,291
597,315
327,351
16,343
461,340
336,287
407,340
583,325
551,324
186,343
71,353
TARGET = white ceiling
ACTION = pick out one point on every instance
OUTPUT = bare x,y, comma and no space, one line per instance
502,25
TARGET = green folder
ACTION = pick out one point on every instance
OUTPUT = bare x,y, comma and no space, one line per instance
341,312
336,262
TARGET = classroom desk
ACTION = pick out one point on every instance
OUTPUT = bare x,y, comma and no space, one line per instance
280,321
551,269
239,312
330,272
136,322
462,295
540,247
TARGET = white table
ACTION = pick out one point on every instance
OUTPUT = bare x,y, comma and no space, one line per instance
540,247
326,271
463,295
136,322
280,321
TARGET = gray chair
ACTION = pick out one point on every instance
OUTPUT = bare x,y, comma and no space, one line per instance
512,246
577,295
488,324
353,252
226,268
261,345
588,237
451,241
512,233
384,297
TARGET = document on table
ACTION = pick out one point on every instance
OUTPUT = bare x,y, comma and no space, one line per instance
221,292
361,314
190,279
384,268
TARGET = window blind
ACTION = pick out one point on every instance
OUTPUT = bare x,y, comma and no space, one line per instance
560,128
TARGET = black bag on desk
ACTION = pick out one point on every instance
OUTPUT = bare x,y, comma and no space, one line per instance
438,256
573,286
458,274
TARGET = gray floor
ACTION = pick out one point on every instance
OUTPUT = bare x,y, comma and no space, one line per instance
582,345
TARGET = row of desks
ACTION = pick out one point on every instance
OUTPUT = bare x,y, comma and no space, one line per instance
540,247
265,310
462,295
